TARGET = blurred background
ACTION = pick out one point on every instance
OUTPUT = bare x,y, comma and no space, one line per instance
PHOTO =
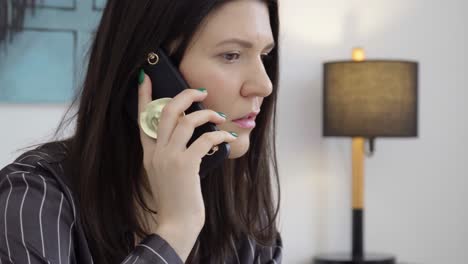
415,188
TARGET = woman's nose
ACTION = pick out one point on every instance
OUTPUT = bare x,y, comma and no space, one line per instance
258,82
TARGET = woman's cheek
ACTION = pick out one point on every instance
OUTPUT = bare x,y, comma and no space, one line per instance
220,79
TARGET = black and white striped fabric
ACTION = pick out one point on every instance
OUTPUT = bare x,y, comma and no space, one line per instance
39,223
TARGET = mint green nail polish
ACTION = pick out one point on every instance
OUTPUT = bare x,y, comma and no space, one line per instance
221,114
202,90
234,134
141,77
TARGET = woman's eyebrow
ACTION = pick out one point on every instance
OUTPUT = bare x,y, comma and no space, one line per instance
243,43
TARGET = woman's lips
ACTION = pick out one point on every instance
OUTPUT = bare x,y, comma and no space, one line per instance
245,123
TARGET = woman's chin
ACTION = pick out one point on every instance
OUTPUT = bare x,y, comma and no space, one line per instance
240,146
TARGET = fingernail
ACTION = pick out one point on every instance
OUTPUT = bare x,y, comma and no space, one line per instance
233,133
141,77
202,90
221,114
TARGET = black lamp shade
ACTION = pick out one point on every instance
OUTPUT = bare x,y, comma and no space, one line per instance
372,98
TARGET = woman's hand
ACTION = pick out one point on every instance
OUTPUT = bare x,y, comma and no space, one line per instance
172,168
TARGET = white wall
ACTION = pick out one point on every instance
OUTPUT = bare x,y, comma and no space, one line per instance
415,198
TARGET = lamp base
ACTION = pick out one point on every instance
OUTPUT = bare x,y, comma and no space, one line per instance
346,258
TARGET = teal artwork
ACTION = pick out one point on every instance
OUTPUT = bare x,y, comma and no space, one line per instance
42,63
38,68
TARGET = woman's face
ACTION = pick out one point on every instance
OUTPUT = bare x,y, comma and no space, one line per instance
225,57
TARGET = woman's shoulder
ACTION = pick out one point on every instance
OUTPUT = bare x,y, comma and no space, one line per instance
50,152
42,164
35,200
45,157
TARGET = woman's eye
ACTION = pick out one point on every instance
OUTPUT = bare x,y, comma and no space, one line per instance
231,57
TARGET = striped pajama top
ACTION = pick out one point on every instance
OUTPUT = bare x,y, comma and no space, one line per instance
39,221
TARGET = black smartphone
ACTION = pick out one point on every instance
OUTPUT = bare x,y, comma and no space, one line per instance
167,81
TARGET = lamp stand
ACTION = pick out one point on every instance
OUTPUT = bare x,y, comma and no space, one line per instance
357,256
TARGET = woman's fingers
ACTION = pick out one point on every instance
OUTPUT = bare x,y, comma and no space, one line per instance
205,142
173,110
175,130
187,124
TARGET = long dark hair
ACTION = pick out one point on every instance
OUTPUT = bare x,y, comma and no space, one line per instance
105,154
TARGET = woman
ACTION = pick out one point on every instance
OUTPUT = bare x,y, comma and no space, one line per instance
111,194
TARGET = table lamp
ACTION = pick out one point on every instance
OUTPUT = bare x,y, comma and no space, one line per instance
366,99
